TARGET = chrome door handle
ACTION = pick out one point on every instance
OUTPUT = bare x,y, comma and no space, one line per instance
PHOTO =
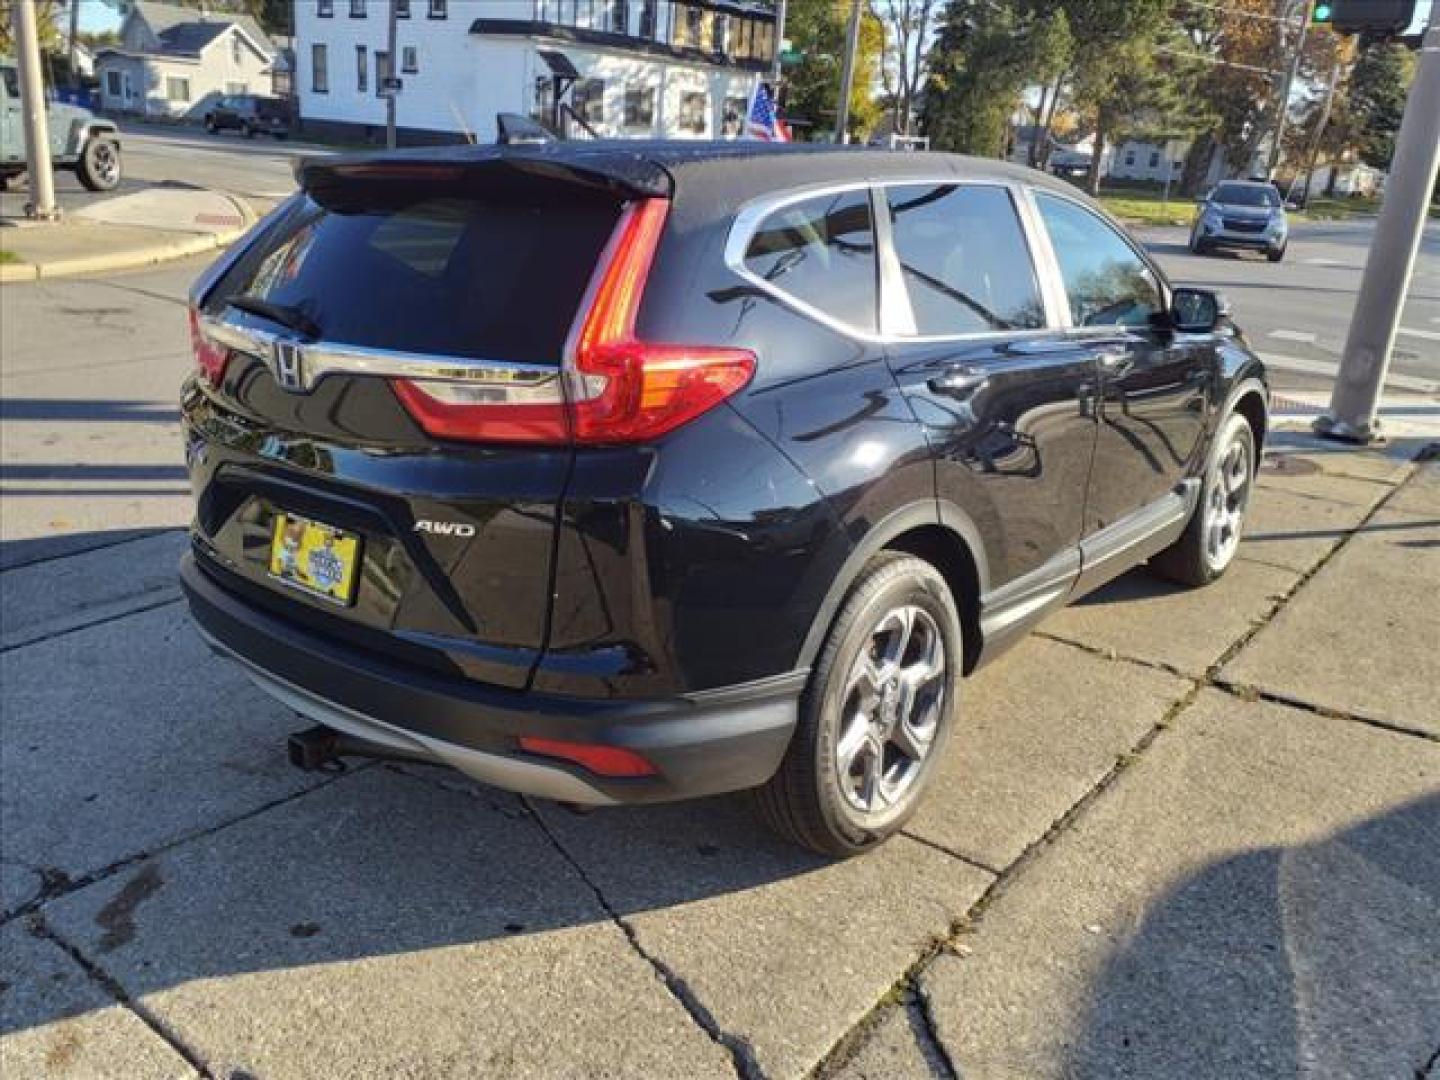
1115,362
961,380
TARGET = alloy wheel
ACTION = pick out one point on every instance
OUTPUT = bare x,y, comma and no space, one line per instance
1225,504
890,713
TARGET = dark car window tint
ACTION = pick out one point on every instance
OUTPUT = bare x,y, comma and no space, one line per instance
821,251
453,276
1245,195
963,255
1106,282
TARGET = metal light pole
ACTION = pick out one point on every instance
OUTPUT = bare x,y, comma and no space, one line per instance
847,77
780,12
1388,269
390,93
1290,75
32,101
74,45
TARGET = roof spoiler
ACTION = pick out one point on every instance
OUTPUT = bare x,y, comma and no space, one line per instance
624,175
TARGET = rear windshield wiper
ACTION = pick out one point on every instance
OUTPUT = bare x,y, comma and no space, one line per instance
287,315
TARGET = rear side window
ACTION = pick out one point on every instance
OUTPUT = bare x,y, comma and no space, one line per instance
963,255
403,268
821,251
1107,283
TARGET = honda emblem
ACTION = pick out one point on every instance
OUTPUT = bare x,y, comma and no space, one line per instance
289,366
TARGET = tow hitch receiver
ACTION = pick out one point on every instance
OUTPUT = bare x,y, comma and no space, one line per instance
319,749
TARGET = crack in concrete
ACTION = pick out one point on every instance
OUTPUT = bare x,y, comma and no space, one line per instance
63,884
936,846
114,616
1430,1069
742,1054
37,926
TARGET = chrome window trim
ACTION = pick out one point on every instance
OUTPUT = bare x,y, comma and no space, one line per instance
894,312
320,359
748,220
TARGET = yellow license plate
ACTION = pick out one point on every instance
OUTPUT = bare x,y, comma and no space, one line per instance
315,557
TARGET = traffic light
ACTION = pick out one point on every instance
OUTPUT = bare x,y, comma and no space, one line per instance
1375,18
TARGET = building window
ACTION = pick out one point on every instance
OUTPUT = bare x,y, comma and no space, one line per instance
357,9
1129,157
402,9
177,89
236,48
722,35
588,101
319,69
639,106
733,117
693,107
324,8
409,60
382,71
362,70
648,19
439,9
112,83
764,42
543,104
235,89
618,21
1154,158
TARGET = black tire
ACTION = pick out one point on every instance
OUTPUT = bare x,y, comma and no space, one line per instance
210,124
247,131
1191,560
804,801
99,166
1275,256
1198,246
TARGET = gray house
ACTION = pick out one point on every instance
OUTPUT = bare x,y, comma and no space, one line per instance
175,61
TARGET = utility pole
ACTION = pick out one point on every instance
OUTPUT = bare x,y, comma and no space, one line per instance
74,45
392,65
1356,398
32,101
775,71
847,77
1284,110
1319,133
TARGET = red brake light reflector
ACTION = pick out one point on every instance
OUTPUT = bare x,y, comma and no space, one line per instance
613,761
210,356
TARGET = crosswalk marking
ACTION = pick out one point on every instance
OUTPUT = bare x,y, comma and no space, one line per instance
1294,335
1428,335
1329,369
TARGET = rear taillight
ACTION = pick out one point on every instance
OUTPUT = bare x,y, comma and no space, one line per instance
614,761
210,355
616,388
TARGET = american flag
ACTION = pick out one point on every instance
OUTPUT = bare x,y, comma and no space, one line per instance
763,123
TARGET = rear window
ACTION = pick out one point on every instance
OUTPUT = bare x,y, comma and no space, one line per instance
821,251
396,266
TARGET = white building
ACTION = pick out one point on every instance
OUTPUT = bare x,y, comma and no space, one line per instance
174,61
614,68
1158,161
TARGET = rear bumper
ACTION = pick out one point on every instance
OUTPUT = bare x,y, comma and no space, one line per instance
700,744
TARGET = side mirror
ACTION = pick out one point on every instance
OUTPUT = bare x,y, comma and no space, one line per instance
1197,311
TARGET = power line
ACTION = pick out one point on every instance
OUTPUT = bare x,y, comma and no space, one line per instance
1272,72
1293,20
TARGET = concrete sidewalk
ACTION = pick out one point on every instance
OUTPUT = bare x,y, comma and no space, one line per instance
136,229
1184,833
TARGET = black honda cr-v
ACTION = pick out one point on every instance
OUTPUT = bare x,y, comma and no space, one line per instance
625,472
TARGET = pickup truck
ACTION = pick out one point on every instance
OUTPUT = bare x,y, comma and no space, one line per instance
79,140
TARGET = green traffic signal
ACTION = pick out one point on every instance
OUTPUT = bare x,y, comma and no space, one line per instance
1323,13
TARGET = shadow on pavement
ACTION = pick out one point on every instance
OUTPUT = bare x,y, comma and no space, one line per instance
1317,960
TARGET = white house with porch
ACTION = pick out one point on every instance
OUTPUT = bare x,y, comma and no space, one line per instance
611,68
175,61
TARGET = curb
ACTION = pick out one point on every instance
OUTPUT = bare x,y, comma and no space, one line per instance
119,260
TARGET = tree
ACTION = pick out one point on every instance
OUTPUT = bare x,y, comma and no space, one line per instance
816,29
1376,101
46,19
985,55
907,25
